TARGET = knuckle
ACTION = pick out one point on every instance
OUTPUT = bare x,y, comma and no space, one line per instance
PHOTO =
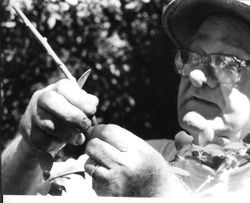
89,108
94,99
44,96
109,178
94,109
75,118
91,146
70,117
110,129
37,93
36,96
62,84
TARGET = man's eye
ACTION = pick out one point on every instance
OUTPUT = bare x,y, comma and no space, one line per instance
193,59
228,62
223,62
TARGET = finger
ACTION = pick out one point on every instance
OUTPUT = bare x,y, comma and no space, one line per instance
97,171
76,96
104,153
41,139
57,105
54,127
118,137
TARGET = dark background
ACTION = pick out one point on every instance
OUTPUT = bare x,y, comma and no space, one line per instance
121,41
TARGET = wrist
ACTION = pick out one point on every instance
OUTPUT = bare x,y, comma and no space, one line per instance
24,149
172,184
44,158
20,168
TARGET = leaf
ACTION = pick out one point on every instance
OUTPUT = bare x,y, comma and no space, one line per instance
235,146
214,150
44,187
133,5
56,189
81,81
45,160
214,162
247,139
197,148
81,173
182,139
51,21
72,2
184,151
46,175
180,171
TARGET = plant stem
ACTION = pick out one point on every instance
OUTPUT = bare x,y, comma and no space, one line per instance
60,64
43,41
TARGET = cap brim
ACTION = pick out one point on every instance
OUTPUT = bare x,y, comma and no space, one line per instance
182,18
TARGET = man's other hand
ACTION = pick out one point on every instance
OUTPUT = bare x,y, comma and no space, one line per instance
122,164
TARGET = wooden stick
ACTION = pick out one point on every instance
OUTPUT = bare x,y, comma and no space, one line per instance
44,42
50,51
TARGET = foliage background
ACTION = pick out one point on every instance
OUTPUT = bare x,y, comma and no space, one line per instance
122,41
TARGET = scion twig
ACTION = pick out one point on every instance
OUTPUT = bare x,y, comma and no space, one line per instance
44,42
50,51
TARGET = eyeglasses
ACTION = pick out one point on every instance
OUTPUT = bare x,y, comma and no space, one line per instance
226,68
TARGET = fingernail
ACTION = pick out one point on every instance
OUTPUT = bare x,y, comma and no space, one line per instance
80,139
86,123
90,130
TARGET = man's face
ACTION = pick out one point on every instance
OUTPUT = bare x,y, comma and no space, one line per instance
206,109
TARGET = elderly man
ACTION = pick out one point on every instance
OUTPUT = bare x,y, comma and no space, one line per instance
213,107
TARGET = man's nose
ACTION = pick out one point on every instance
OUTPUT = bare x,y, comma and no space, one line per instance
198,78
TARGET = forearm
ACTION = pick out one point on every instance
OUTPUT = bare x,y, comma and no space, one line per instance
172,185
162,182
20,168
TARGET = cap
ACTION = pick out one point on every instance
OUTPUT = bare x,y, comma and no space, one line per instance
182,18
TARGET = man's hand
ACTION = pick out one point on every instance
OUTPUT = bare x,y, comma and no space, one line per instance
58,114
122,164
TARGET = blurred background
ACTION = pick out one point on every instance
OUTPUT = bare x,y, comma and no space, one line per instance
122,41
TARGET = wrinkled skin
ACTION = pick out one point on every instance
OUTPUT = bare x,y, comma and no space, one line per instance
60,114
55,116
128,165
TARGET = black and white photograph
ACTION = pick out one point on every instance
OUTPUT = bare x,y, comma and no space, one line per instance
130,99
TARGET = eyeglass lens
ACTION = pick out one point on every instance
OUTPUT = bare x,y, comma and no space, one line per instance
224,67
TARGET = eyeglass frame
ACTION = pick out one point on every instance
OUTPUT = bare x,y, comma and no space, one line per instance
205,59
